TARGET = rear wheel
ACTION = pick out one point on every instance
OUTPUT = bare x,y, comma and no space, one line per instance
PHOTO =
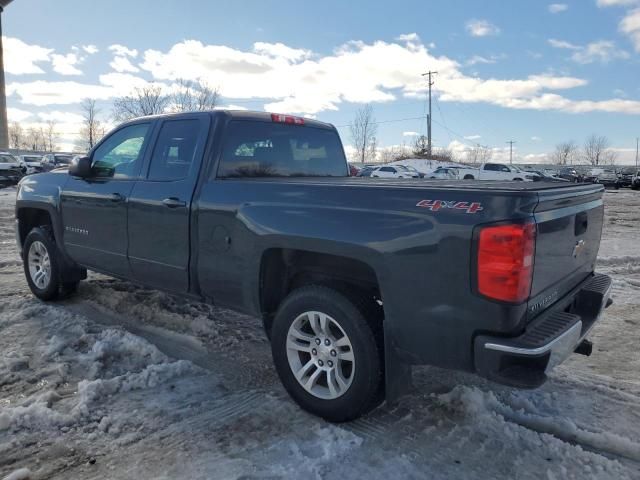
41,266
327,354
468,177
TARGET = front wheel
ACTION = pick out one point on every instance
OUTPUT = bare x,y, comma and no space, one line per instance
327,354
41,266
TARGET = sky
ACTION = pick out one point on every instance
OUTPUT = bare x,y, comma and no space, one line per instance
531,71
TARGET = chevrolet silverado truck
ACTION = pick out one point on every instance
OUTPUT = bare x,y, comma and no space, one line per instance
356,279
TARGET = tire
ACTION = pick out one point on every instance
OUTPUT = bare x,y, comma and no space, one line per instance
468,177
360,389
517,180
40,254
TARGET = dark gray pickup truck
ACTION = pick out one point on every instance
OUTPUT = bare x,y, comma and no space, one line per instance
356,279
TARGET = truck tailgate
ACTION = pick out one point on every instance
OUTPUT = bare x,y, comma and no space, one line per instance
569,222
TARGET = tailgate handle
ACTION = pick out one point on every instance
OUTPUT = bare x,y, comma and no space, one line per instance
582,221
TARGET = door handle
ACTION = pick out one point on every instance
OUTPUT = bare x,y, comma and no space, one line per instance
116,197
173,202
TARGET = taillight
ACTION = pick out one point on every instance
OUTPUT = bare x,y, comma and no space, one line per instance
505,261
276,117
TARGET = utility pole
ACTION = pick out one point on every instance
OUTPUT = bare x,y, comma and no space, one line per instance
429,73
637,138
511,142
4,127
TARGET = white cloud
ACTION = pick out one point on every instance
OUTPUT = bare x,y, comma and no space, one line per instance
630,26
563,44
17,114
288,80
558,7
535,139
230,107
602,51
473,137
410,134
90,49
21,58
123,65
280,50
123,51
66,64
616,3
61,117
480,59
481,28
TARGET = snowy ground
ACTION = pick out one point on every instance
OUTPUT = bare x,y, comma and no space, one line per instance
121,382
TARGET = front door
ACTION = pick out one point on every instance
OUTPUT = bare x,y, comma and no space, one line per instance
94,209
160,205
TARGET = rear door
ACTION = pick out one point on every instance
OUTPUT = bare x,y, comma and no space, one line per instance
94,209
161,202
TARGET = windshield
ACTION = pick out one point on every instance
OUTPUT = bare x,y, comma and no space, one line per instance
30,158
5,158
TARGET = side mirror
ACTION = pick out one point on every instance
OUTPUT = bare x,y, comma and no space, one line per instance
80,167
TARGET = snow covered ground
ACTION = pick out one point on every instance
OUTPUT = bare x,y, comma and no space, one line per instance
122,382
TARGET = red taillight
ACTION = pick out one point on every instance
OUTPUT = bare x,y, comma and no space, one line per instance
276,117
505,261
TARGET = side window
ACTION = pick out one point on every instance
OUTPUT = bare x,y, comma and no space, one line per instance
504,168
268,149
387,169
490,167
175,150
119,156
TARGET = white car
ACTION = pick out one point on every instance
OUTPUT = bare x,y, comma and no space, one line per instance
10,169
394,171
31,163
444,173
500,171
635,181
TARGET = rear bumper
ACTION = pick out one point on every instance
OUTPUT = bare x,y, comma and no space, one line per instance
548,340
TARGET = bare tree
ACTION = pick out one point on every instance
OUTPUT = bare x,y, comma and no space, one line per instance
92,129
35,139
596,150
147,100
363,134
565,153
444,155
479,154
16,135
192,96
51,135
421,146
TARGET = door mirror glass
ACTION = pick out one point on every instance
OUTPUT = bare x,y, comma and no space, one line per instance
80,167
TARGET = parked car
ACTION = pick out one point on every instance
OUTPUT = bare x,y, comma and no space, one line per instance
366,171
444,173
393,171
592,175
543,176
10,169
635,180
625,178
354,283
609,178
411,169
56,160
499,171
570,174
31,164
353,171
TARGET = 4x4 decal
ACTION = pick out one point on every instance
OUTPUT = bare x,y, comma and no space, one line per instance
435,205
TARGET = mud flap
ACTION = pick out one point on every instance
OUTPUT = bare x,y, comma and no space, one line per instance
397,372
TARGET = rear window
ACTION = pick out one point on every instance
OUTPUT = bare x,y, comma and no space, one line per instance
63,159
263,149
